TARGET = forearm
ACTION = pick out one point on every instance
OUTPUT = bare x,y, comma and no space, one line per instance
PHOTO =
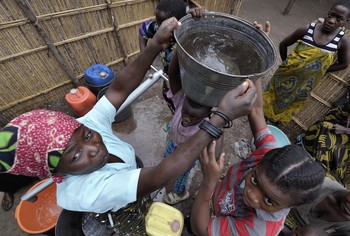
132,75
177,162
142,43
256,115
347,131
189,151
200,215
174,74
184,156
283,51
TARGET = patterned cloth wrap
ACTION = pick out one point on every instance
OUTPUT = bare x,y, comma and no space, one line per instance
32,143
181,181
329,149
294,80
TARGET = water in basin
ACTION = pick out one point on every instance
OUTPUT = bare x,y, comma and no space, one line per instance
223,50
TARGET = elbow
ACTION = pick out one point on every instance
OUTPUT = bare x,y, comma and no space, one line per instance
199,232
198,228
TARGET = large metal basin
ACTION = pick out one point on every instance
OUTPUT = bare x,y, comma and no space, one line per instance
218,52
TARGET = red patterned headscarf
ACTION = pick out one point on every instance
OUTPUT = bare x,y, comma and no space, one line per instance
35,142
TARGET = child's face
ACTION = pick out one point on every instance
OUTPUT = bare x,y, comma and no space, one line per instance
261,193
84,153
193,116
337,17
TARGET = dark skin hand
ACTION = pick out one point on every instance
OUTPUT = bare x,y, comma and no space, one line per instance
162,16
235,103
339,129
266,29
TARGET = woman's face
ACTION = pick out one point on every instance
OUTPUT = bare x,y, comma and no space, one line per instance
261,193
84,153
336,17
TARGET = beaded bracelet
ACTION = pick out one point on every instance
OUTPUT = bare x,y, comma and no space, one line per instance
224,117
210,129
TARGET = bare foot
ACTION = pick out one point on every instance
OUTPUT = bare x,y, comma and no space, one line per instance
7,201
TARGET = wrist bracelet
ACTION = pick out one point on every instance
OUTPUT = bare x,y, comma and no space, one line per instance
224,117
210,129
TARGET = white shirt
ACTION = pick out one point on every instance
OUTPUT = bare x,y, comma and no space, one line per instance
110,187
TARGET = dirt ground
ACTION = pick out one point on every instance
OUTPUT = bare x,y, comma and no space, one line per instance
144,128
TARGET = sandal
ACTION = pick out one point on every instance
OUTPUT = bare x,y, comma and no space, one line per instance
243,148
173,198
7,201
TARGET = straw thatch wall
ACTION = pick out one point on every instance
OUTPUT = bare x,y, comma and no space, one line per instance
46,46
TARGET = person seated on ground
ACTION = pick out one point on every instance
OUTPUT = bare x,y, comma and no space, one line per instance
303,69
164,10
96,170
329,211
327,141
188,115
256,193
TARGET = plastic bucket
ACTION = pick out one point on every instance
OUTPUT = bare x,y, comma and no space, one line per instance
97,77
279,135
39,216
69,223
124,114
218,52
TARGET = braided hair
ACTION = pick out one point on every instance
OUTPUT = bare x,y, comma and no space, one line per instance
172,8
293,171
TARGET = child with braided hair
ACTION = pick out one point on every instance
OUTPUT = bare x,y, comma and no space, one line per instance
255,195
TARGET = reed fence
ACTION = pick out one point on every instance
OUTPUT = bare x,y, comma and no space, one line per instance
46,46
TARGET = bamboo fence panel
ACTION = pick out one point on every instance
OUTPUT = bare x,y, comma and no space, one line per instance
83,33
46,46
231,7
